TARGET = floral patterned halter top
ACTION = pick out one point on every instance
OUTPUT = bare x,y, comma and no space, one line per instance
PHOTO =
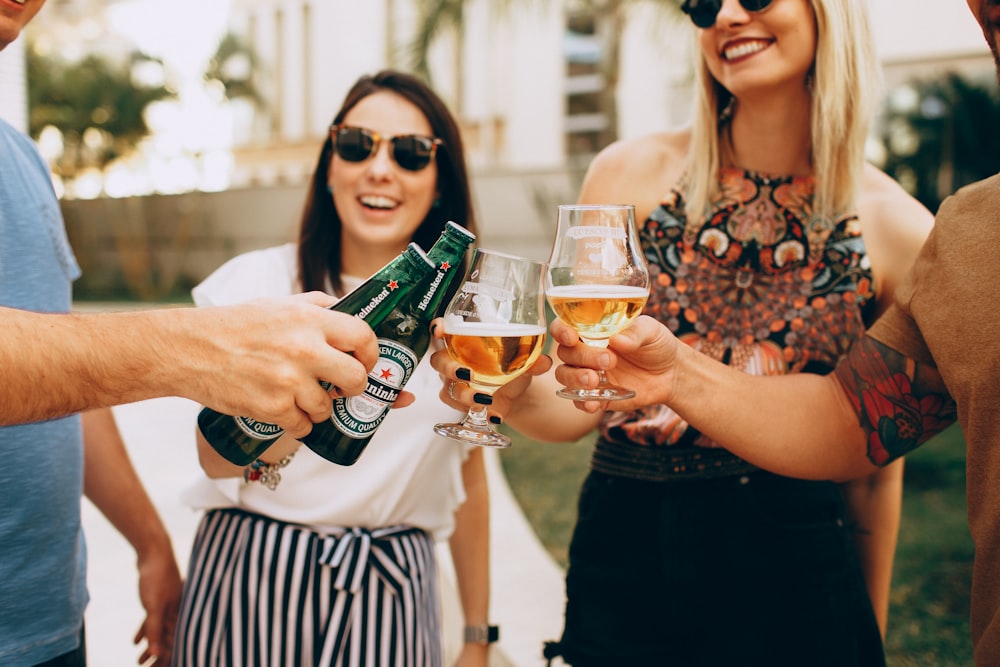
761,285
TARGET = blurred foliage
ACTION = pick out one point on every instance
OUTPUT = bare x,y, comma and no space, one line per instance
233,66
96,104
940,134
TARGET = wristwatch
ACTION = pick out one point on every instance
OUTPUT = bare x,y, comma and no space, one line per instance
481,634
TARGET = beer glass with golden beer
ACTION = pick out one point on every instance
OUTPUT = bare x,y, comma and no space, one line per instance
494,326
597,280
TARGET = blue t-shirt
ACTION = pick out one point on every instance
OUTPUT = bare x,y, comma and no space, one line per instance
43,587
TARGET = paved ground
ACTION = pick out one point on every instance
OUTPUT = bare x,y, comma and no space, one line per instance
527,585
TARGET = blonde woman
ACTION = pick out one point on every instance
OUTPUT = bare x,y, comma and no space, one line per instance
771,245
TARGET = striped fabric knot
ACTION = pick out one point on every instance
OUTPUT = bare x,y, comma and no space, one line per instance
358,552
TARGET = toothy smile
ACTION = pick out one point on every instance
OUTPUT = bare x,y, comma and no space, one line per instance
743,49
378,201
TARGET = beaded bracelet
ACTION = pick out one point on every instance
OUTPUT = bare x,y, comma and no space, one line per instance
266,473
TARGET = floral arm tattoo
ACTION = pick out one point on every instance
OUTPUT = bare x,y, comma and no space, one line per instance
900,402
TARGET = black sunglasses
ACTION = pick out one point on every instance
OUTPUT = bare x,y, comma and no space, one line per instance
412,152
704,12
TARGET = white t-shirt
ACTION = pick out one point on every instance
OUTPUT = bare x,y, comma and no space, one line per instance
406,475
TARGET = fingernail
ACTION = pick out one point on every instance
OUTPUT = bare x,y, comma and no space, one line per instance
483,399
495,420
604,361
434,328
463,374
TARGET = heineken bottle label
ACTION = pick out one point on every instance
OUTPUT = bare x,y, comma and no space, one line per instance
432,288
377,299
258,430
359,416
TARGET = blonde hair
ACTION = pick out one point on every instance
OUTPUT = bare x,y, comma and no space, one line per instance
846,85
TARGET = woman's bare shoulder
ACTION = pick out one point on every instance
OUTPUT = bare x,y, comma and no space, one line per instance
886,205
894,226
637,168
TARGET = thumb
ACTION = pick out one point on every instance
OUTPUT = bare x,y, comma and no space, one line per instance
321,299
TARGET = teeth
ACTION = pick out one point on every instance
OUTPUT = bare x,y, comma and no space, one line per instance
744,49
376,201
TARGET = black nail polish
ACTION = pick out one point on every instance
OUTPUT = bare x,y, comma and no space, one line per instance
495,420
463,374
434,329
483,399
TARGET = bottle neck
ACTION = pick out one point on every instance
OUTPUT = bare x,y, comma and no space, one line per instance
447,256
377,296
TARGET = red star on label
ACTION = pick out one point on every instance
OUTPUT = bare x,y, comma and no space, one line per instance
445,266
386,373
393,284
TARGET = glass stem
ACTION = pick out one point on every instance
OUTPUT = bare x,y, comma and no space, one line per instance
476,417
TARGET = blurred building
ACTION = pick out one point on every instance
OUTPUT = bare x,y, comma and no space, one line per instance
522,79
538,87
526,79
529,80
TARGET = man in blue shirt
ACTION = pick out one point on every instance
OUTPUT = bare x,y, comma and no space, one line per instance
49,464
262,360
56,364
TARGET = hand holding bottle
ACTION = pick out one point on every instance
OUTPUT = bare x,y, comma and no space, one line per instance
403,336
242,439
275,350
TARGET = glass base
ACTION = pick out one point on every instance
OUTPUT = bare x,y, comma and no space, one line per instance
476,435
602,393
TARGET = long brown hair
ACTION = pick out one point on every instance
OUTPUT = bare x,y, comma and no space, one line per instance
319,232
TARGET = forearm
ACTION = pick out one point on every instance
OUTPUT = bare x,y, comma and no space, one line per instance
799,425
470,542
217,466
262,359
60,364
111,483
874,505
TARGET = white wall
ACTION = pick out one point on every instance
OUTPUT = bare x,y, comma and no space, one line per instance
925,29
654,86
529,95
13,94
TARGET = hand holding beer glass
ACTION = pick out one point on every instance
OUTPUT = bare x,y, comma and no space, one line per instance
494,326
597,281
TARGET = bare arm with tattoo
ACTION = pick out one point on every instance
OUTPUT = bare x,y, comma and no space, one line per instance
876,407
900,403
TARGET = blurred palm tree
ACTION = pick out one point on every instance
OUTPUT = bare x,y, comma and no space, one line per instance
232,67
96,104
940,134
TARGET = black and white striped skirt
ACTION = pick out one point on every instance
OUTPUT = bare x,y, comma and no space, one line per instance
264,592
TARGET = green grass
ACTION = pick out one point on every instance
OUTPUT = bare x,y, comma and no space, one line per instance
929,604
928,618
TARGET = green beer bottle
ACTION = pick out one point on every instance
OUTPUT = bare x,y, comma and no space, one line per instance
403,339
241,440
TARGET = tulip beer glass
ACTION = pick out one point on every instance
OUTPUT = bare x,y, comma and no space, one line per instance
597,280
494,326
